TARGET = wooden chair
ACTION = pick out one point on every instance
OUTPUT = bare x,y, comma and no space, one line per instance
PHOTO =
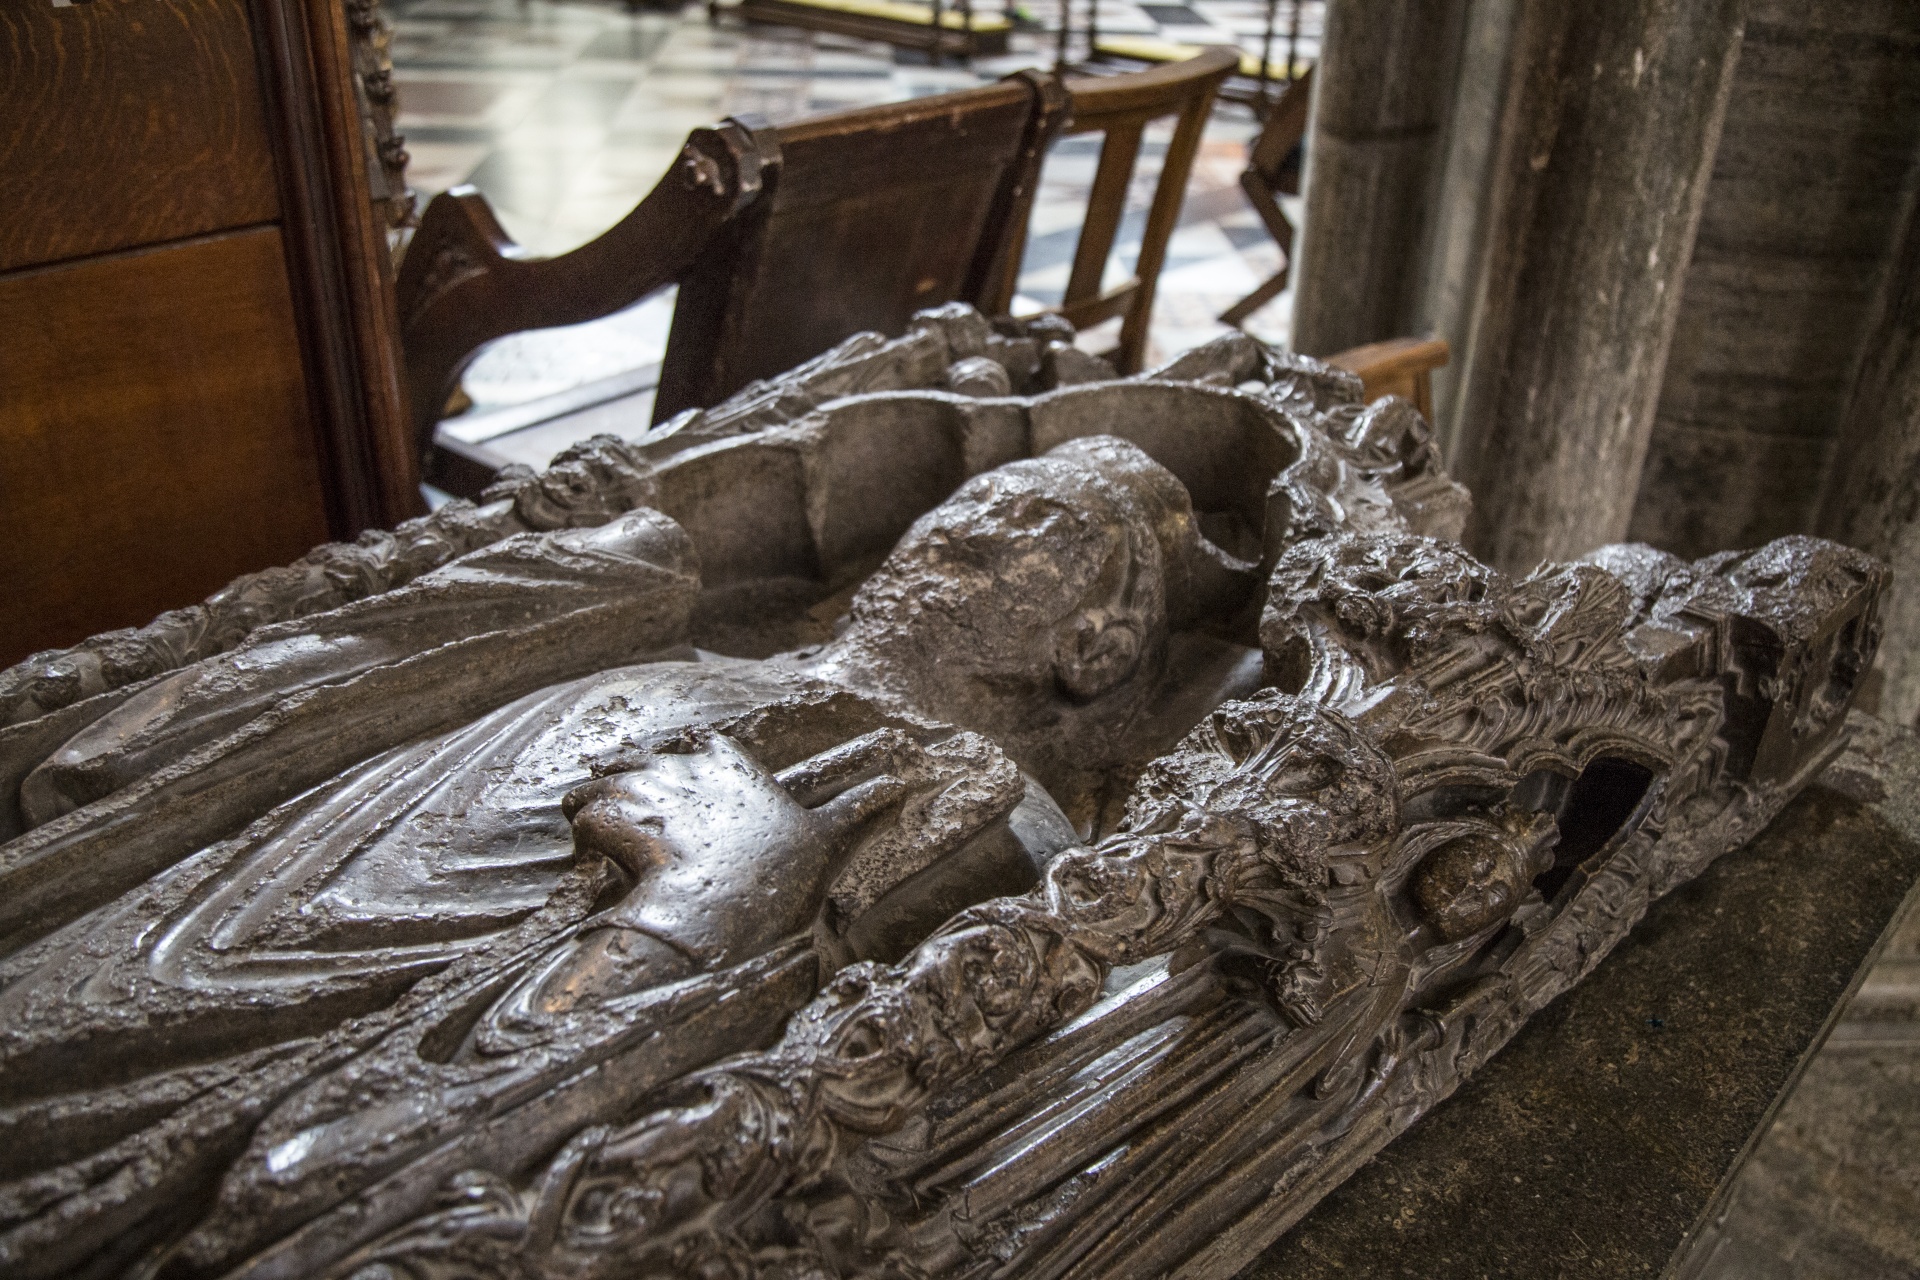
1121,107
1251,83
1397,367
1273,169
783,241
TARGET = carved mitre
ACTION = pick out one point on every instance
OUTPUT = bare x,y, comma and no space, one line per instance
1440,797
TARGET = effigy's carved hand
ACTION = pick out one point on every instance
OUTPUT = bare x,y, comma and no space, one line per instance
725,859
700,802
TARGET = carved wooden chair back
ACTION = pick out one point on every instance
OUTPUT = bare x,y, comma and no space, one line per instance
1273,170
873,215
783,241
1121,107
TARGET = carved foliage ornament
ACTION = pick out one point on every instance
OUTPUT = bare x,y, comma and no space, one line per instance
1172,817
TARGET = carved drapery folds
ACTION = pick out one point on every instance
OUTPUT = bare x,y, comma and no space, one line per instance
1173,816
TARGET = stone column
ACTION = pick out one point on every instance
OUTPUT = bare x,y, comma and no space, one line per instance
1802,218
1457,240
1872,498
1380,97
1611,121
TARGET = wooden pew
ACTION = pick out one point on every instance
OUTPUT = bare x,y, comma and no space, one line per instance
783,241
1273,170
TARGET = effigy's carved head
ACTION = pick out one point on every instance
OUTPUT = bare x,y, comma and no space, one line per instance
1049,583
587,483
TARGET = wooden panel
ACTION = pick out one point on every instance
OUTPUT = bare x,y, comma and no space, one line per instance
127,122
154,435
338,261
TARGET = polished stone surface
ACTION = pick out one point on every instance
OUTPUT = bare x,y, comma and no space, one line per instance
314,978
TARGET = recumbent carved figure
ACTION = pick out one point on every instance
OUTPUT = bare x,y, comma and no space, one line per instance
1172,789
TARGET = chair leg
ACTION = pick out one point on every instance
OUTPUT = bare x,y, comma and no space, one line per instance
1264,204
1162,217
1261,197
1259,298
1106,207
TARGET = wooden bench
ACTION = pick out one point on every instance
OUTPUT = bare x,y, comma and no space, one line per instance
782,240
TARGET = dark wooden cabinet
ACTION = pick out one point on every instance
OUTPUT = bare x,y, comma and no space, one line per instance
197,374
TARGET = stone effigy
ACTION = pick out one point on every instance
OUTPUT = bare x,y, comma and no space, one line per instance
942,813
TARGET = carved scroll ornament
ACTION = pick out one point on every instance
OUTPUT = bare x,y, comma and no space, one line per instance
1171,818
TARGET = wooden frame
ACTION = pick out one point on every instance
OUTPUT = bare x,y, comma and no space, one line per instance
338,261
1121,107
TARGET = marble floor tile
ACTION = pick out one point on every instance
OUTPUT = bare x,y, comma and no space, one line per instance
449,99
